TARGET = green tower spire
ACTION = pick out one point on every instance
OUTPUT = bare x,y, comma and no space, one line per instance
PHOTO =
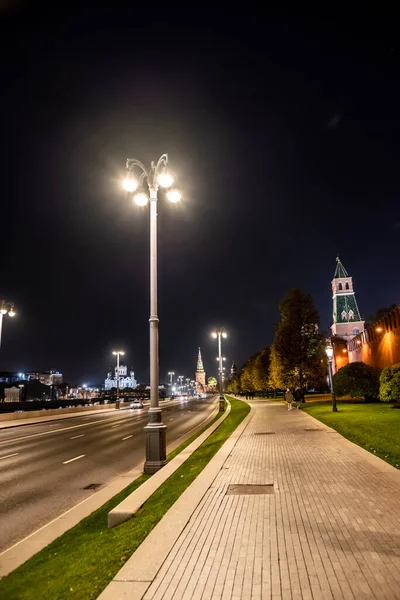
347,321
200,367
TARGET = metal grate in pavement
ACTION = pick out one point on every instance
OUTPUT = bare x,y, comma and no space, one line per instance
240,489
265,433
314,429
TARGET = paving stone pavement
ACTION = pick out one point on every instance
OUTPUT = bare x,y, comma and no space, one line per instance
330,529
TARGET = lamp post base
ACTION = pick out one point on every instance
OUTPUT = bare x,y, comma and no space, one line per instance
117,404
221,403
156,443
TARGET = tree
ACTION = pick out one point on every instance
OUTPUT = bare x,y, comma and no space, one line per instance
247,379
357,380
389,389
276,379
212,382
261,369
298,350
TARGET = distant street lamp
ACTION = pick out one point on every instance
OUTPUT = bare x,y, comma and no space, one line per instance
5,308
118,353
219,334
329,353
147,185
180,377
171,374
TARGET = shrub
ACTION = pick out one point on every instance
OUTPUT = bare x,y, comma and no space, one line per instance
357,380
389,390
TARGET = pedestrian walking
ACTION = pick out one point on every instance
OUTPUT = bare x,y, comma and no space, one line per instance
297,396
289,399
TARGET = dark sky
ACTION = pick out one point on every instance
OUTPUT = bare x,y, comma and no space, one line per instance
284,136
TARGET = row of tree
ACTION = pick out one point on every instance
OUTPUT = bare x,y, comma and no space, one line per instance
296,357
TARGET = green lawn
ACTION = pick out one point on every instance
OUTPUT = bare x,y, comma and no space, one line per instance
81,562
375,427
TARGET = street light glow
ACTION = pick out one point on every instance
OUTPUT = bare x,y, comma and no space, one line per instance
165,179
129,183
329,352
141,199
11,312
224,334
214,334
174,195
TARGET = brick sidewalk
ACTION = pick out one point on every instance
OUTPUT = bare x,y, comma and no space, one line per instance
330,529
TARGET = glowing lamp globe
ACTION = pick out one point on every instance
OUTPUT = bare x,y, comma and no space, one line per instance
165,179
130,184
3,311
174,195
329,352
141,199
224,334
214,334
11,312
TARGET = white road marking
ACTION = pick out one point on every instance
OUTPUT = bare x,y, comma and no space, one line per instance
9,456
117,425
127,437
171,419
34,435
76,436
72,459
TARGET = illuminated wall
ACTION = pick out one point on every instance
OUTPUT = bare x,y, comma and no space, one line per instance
379,345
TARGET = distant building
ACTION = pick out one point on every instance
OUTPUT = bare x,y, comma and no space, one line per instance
125,380
46,377
200,375
347,322
12,394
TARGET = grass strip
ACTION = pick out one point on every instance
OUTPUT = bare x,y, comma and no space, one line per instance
80,563
374,427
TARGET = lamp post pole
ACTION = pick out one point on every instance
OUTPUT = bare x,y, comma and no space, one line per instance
5,308
219,334
329,353
118,353
149,182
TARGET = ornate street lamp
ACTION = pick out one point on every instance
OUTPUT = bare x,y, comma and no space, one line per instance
329,353
146,187
219,334
6,308
118,353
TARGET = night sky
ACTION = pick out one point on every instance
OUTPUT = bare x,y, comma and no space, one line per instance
283,134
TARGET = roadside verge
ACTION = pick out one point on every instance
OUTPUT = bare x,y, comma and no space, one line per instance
85,559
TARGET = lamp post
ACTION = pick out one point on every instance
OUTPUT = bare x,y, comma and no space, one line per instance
219,334
147,185
118,353
171,374
5,308
180,377
329,353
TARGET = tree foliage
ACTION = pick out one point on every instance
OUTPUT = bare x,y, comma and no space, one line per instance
298,357
254,376
389,389
357,380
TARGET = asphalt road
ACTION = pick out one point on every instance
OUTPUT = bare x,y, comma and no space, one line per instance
45,468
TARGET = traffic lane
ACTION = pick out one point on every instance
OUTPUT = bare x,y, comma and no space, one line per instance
57,424
25,457
35,491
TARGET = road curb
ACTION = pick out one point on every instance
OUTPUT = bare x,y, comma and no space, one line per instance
130,505
21,551
136,576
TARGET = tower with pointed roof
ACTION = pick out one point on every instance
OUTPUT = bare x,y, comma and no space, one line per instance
200,375
233,369
347,321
